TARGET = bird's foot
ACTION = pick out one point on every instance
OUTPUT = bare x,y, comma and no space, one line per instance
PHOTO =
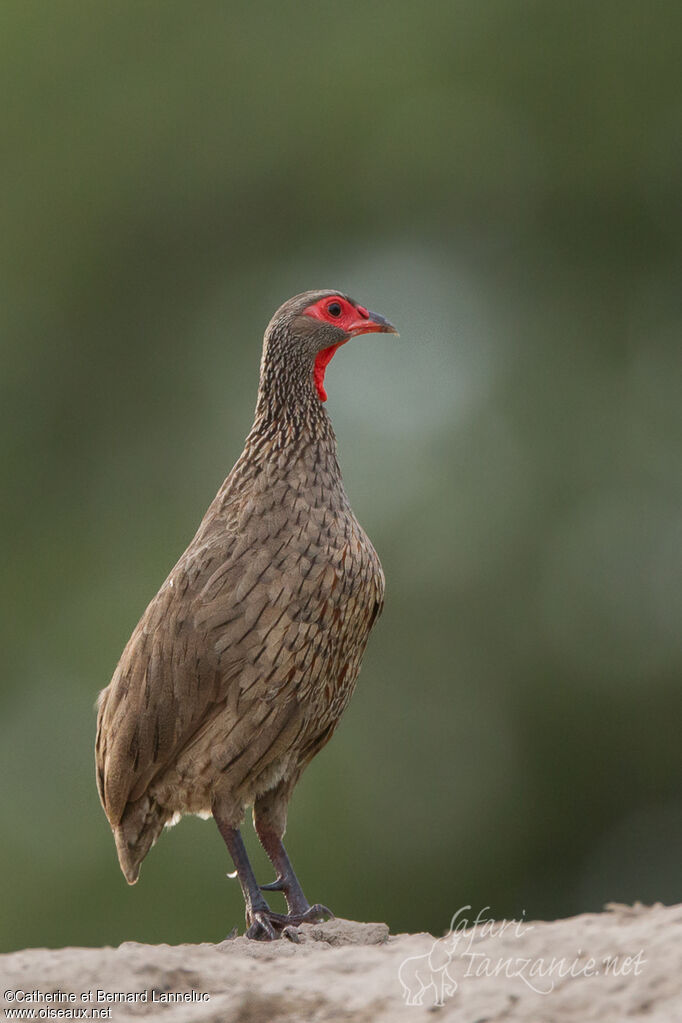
266,925
300,910
312,915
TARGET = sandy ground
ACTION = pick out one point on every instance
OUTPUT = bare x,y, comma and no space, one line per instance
621,965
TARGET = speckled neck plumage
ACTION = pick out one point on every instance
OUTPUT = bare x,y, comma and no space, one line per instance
290,421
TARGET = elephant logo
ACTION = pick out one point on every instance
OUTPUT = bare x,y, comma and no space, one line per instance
429,972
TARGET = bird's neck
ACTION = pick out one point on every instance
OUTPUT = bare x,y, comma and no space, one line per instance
290,424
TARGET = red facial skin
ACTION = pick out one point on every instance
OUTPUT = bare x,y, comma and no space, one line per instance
352,320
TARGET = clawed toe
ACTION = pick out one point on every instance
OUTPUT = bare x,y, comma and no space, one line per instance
313,915
268,926
322,912
261,928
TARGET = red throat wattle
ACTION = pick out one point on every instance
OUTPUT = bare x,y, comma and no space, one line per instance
349,319
322,360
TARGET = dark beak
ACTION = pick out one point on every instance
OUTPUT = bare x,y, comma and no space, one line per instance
374,324
383,325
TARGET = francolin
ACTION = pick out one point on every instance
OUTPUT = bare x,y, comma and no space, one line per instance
243,663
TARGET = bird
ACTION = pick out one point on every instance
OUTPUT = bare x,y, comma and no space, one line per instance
242,665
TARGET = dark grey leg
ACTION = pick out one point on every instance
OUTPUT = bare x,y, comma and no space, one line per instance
262,923
300,910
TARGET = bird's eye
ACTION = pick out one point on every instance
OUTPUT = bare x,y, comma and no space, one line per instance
334,309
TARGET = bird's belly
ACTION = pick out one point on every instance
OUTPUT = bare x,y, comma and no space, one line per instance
188,787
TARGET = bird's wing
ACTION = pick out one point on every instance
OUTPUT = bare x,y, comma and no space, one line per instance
214,655
165,684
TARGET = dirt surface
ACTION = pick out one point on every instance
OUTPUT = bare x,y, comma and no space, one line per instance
620,965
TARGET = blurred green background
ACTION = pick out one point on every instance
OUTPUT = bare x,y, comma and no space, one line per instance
502,180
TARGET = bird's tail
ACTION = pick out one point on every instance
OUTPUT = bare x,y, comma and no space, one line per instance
140,826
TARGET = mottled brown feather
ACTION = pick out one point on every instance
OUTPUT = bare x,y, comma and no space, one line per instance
244,661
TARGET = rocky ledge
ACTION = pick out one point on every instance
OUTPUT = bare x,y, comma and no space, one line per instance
623,964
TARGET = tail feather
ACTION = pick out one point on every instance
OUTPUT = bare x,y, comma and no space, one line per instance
140,826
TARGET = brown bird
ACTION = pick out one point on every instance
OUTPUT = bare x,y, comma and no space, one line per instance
242,665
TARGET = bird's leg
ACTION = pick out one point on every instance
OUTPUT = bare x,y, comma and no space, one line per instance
300,910
262,924
286,881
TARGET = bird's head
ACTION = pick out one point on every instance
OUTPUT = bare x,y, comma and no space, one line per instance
306,331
